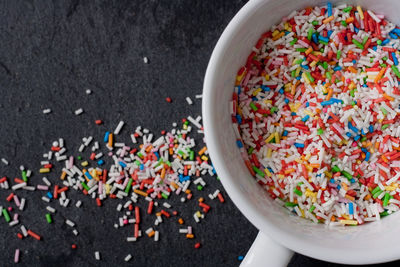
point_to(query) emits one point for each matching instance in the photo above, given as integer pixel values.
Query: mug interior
(368, 243)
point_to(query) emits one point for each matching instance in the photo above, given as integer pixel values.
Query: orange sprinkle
(189, 236)
(140, 192)
(388, 97)
(349, 197)
(352, 69)
(110, 140)
(349, 20)
(329, 95)
(276, 37)
(380, 74)
(327, 20)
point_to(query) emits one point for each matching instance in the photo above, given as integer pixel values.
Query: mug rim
(239, 197)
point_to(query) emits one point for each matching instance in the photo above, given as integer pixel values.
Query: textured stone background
(51, 52)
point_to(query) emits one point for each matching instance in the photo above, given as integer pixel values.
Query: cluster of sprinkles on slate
(142, 176)
(316, 114)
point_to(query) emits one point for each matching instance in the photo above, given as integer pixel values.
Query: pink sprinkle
(354, 144)
(325, 110)
(10, 208)
(125, 221)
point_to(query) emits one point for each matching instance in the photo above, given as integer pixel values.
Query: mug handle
(266, 252)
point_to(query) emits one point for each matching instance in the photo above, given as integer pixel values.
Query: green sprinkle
(322, 42)
(273, 109)
(384, 58)
(383, 65)
(347, 9)
(258, 171)
(366, 39)
(140, 155)
(253, 106)
(79, 157)
(137, 163)
(85, 186)
(311, 209)
(377, 193)
(48, 218)
(352, 93)
(383, 214)
(396, 71)
(364, 138)
(314, 22)
(310, 32)
(379, 42)
(386, 199)
(343, 22)
(6, 215)
(376, 189)
(385, 126)
(338, 54)
(293, 73)
(169, 163)
(357, 43)
(320, 131)
(328, 75)
(186, 123)
(129, 185)
(24, 177)
(191, 155)
(290, 204)
(335, 168)
(347, 175)
(325, 65)
(293, 41)
(299, 61)
(199, 187)
(384, 111)
(250, 150)
(310, 77)
(322, 49)
(301, 49)
(298, 192)
(180, 152)
(164, 195)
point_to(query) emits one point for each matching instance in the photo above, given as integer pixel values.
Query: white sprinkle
(189, 101)
(4, 161)
(46, 111)
(145, 60)
(97, 255)
(128, 257)
(78, 111)
(119, 127)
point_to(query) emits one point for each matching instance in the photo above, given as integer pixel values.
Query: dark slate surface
(51, 52)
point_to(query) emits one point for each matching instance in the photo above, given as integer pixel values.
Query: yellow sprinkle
(266, 77)
(360, 12)
(108, 188)
(302, 212)
(390, 188)
(267, 172)
(312, 64)
(255, 92)
(84, 163)
(198, 214)
(297, 71)
(307, 157)
(239, 78)
(307, 112)
(268, 102)
(44, 170)
(204, 158)
(298, 160)
(281, 176)
(304, 76)
(269, 139)
(352, 86)
(275, 33)
(277, 140)
(328, 174)
(140, 192)
(351, 222)
(269, 153)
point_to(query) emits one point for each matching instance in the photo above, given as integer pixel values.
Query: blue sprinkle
(239, 89)
(364, 85)
(357, 137)
(239, 143)
(157, 155)
(362, 132)
(100, 162)
(329, 33)
(351, 211)
(329, 9)
(298, 145)
(240, 258)
(385, 42)
(374, 48)
(348, 134)
(354, 61)
(285, 133)
(335, 100)
(141, 167)
(367, 155)
(356, 29)
(293, 113)
(87, 174)
(307, 104)
(315, 38)
(338, 187)
(395, 61)
(396, 30)
(363, 149)
(281, 91)
(352, 181)
(270, 170)
(327, 103)
(106, 135)
(371, 128)
(351, 127)
(305, 67)
(123, 165)
(265, 88)
(286, 33)
(286, 100)
(324, 39)
(332, 181)
(298, 78)
(337, 68)
(305, 118)
(392, 35)
(50, 195)
(239, 119)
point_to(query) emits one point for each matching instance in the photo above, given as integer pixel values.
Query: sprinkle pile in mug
(316, 114)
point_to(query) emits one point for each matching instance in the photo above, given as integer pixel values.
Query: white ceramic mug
(281, 233)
